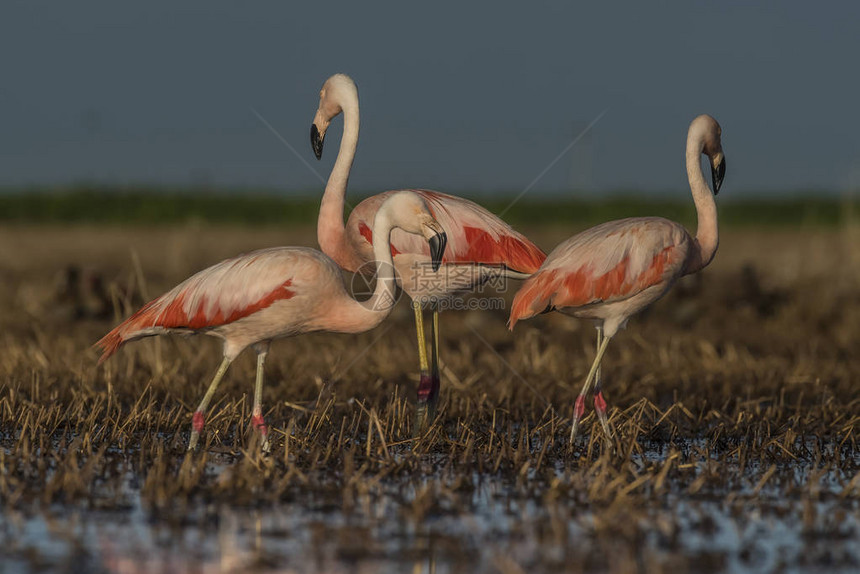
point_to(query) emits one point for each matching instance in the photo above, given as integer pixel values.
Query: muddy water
(493, 523)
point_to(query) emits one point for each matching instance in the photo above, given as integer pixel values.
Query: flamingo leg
(199, 418)
(579, 406)
(599, 401)
(435, 379)
(257, 420)
(426, 391)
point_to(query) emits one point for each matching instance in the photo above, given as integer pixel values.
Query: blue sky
(455, 96)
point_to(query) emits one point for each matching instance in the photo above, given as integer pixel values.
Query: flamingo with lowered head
(614, 270)
(481, 246)
(268, 294)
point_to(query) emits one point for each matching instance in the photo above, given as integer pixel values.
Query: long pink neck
(350, 316)
(707, 237)
(330, 229)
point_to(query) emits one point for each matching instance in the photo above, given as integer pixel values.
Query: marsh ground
(734, 404)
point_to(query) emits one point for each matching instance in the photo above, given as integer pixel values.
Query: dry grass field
(734, 404)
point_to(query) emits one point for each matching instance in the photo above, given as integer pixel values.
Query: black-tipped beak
(437, 249)
(717, 175)
(316, 141)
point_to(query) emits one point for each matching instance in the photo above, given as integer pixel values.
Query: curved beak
(437, 249)
(718, 172)
(317, 141)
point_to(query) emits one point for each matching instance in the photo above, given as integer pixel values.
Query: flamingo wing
(474, 234)
(607, 263)
(226, 292)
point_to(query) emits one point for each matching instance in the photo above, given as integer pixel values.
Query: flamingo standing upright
(614, 270)
(268, 294)
(481, 246)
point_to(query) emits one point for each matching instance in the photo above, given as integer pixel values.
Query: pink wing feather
(609, 262)
(474, 234)
(221, 294)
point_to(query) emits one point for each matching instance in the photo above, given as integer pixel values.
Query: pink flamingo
(614, 270)
(481, 246)
(268, 294)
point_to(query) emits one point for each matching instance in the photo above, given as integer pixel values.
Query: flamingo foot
(197, 422)
(600, 408)
(258, 423)
(428, 396)
(578, 411)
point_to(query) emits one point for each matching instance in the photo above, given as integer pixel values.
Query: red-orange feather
(474, 234)
(507, 250)
(174, 316)
(367, 233)
(568, 278)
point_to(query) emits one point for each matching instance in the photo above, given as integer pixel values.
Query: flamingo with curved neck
(252, 299)
(480, 246)
(614, 270)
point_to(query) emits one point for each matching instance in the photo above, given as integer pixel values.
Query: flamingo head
(338, 92)
(408, 211)
(710, 134)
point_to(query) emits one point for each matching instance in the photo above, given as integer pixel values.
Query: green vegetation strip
(243, 207)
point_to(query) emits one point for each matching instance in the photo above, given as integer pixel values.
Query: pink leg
(428, 390)
(435, 379)
(197, 421)
(600, 408)
(257, 415)
(428, 385)
(578, 411)
(260, 424)
(599, 402)
(199, 418)
(579, 406)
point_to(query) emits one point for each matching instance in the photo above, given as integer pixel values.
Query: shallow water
(485, 523)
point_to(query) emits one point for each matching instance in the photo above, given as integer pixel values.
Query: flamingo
(612, 271)
(278, 292)
(481, 246)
